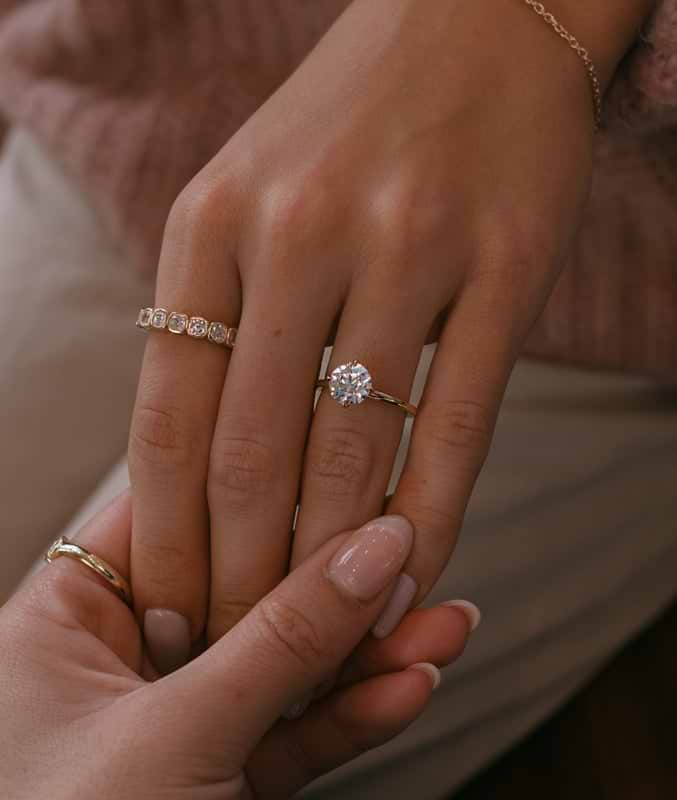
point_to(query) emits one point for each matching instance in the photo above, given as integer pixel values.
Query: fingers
(258, 443)
(435, 635)
(171, 434)
(291, 640)
(351, 450)
(70, 593)
(339, 729)
(453, 430)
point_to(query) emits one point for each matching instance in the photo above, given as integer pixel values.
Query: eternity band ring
(159, 319)
(64, 547)
(351, 384)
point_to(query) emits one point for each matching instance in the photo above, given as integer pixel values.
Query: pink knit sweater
(135, 96)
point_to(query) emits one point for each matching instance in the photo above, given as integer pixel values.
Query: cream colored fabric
(69, 354)
(570, 543)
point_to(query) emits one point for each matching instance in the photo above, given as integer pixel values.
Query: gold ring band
(64, 547)
(351, 384)
(159, 319)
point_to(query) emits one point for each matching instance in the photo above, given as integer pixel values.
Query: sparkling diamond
(177, 323)
(350, 384)
(217, 332)
(159, 319)
(198, 327)
(143, 320)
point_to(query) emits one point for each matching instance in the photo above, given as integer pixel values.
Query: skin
(420, 177)
(83, 716)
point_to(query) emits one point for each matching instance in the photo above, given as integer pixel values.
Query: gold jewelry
(63, 547)
(582, 53)
(351, 384)
(159, 319)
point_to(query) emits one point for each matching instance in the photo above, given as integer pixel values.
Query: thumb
(290, 641)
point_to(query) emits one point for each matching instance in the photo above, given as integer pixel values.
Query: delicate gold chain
(582, 53)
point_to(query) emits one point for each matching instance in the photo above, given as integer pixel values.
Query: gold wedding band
(351, 384)
(64, 547)
(159, 319)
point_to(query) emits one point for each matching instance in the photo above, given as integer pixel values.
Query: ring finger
(351, 450)
(258, 442)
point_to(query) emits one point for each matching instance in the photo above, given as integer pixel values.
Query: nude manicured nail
(372, 557)
(472, 613)
(398, 605)
(167, 636)
(431, 671)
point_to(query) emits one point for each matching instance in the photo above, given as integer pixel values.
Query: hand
(78, 720)
(419, 173)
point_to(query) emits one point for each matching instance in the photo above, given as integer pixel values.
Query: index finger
(171, 434)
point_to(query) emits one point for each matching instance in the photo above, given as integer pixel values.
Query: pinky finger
(339, 729)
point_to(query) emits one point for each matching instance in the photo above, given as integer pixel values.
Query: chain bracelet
(578, 48)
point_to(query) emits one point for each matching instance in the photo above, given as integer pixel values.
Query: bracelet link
(580, 51)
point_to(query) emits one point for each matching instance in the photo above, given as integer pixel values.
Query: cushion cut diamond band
(159, 319)
(351, 384)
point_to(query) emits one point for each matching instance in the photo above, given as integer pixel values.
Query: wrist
(607, 30)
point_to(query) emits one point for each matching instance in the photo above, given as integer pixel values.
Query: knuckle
(159, 438)
(296, 213)
(341, 463)
(242, 469)
(512, 263)
(202, 210)
(289, 632)
(412, 214)
(460, 430)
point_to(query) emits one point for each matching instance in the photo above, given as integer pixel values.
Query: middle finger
(259, 438)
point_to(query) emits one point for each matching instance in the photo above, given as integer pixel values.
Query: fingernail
(472, 613)
(372, 557)
(398, 605)
(167, 636)
(431, 671)
(299, 708)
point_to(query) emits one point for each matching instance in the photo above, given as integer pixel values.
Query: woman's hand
(78, 720)
(423, 171)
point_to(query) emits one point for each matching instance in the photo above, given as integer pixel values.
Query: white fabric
(570, 543)
(69, 354)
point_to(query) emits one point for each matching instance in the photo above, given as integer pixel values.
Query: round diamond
(217, 332)
(350, 384)
(177, 322)
(198, 327)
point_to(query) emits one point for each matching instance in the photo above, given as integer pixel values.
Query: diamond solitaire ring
(351, 384)
(159, 319)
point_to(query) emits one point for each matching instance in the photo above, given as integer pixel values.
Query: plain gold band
(374, 394)
(63, 547)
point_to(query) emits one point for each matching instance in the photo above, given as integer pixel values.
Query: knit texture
(135, 96)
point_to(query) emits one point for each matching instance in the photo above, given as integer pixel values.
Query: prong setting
(350, 384)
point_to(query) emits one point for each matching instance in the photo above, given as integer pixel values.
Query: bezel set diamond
(159, 319)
